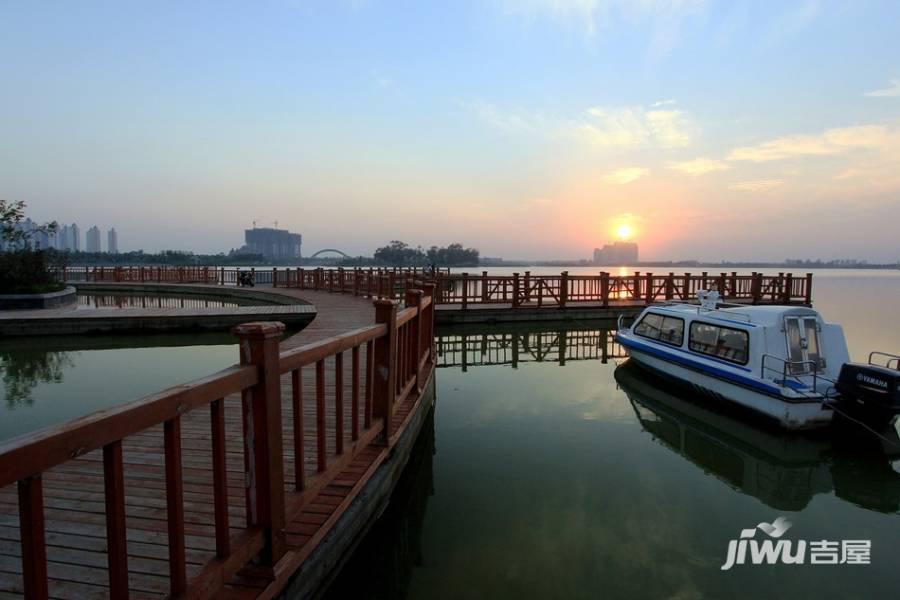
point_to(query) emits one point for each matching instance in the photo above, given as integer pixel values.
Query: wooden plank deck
(74, 501)
(71, 321)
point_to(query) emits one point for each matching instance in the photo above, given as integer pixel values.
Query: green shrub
(27, 272)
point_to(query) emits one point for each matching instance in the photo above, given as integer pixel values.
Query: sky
(528, 129)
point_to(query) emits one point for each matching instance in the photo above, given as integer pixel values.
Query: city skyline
(528, 130)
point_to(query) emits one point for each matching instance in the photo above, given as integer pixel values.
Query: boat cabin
(786, 344)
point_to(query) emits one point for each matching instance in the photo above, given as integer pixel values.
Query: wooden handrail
(310, 353)
(397, 350)
(33, 453)
(462, 288)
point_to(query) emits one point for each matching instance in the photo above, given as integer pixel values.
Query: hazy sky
(531, 128)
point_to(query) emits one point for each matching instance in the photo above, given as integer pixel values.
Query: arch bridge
(330, 250)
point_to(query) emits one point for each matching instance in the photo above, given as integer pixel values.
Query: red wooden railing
(519, 290)
(468, 289)
(389, 360)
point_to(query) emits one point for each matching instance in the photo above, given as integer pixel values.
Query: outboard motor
(872, 390)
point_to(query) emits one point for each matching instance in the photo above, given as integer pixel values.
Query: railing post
(484, 287)
(670, 286)
(515, 298)
(721, 285)
(563, 288)
(648, 298)
(274, 277)
(809, 289)
(465, 290)
(734, 289)
(31, 533)
(686, 291)
(756, 288)
(263, 441)
(788, 284)
(604, 288)
(427, 327)
(527, 286)
(414, 299)
(385, 365)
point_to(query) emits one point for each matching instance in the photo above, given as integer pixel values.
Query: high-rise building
(63, 238)
(74, 238)
(273, 243)
(112, 241)
(619, 254)
(92, 239)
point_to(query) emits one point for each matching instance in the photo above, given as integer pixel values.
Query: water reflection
(383, 564)
(555, 480)
(469, 346)
(141, 300)
(48, 379)
(784, 470)
(22, 370)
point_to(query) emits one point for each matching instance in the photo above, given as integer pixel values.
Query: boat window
(795, 341)
(812, 342)
(672, 331)
(649, 326)
(722, 342)
(803, 345)
(665, 329)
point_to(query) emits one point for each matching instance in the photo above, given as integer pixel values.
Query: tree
(11, 216)
(400, 254)
(24, 270)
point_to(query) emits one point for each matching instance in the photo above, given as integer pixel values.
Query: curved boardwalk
(75, 511)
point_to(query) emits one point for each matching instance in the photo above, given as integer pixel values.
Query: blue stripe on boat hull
(709, 370)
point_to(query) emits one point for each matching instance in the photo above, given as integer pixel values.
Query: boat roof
(769, 315)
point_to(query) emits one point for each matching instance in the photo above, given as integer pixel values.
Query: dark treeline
(166, 257)
(395, 254)
(401, 254)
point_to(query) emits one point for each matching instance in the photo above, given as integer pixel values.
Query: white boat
(785, 362)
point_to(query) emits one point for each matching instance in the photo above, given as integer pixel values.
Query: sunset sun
(624, 231)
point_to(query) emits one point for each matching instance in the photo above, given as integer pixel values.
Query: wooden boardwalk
(76, 493)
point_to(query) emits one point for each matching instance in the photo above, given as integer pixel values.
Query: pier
(244, 484)
(258, 480)
(486, 298)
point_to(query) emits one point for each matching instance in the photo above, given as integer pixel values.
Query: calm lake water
(561, 477)
(578, 480)
(126, 301)
(48, 380)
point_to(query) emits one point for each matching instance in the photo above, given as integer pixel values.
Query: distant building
(272, 243)
(92, 239)
(616, 254)
(74, 238)
(112, 241)
(62, 237)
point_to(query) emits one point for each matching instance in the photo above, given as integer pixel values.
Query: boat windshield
(803, 344)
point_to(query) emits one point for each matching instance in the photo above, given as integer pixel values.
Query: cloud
(891, 91)
(662, 19)
(794, 18)
(380, 80)
(632, 127)
(760, 185)
(521, 121)
(698, 166)
(666, 102)
(831, 141)
(616, 127)
(625, 175)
